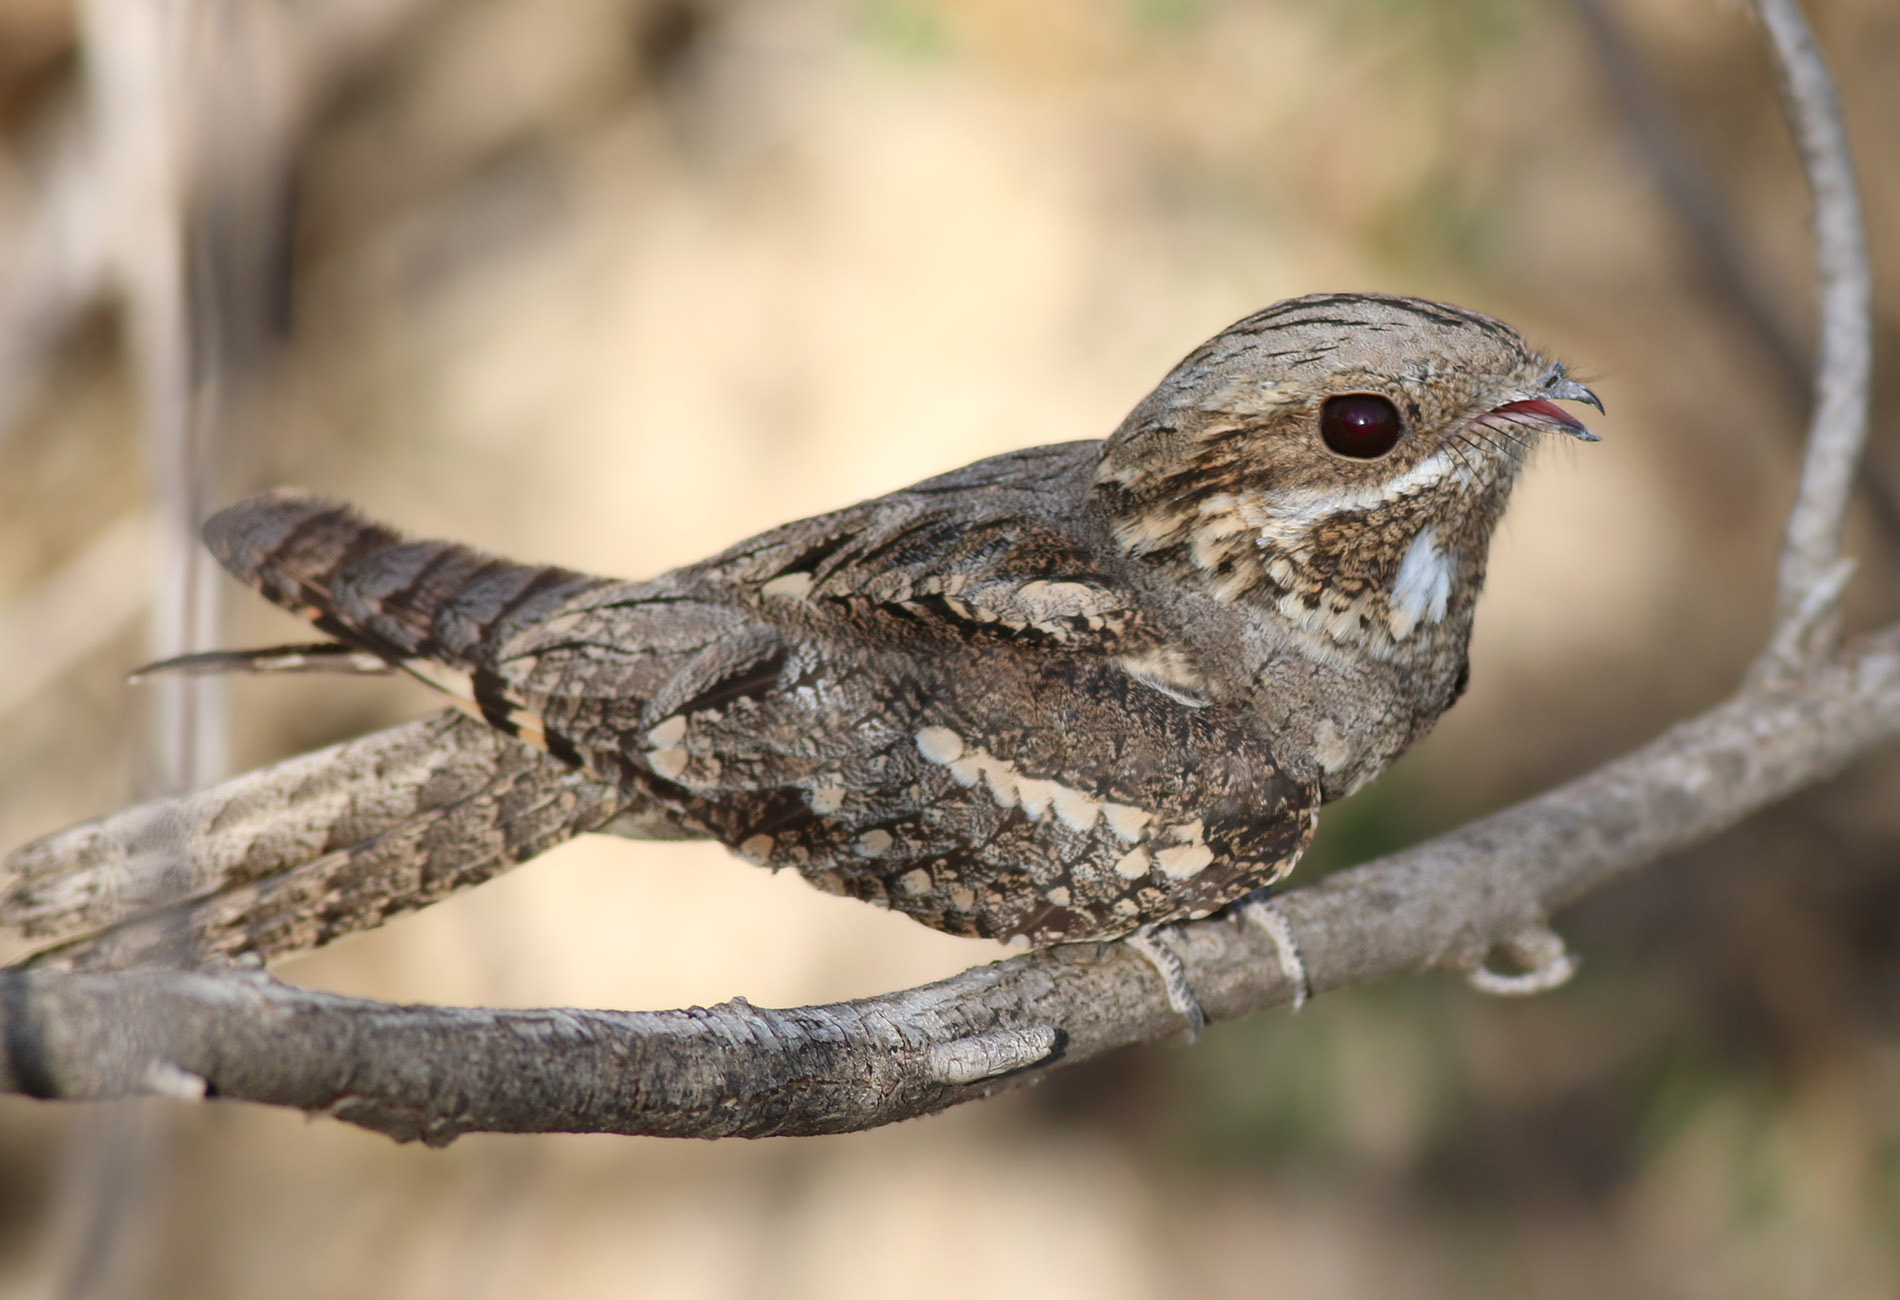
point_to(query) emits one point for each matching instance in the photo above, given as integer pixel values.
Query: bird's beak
(1569, 390)
(1544, 409)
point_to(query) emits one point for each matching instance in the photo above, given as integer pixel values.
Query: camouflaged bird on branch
(1061, 694)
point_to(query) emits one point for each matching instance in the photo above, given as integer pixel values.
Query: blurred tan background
(616, 282)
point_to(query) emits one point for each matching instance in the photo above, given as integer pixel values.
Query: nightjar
(1056, 695)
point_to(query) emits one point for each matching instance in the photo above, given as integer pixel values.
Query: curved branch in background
(1710, 238)
(1812, 570)
(435, 1072)
(1670, 159)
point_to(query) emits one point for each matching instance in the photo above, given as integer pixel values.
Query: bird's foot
(1167, 964)
(1263, 910)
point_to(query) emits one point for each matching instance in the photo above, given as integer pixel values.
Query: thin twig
(141, 92)
(1684, 185)
(145, 95)
(1806, 605)
(1709, 232)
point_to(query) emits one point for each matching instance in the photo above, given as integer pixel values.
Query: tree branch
(737, 1070)
(1812, 570)
(1710, 239)
(435, 1072)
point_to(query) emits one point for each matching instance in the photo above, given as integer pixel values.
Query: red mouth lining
(1543, 410)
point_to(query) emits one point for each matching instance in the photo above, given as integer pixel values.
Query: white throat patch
(1422, 589)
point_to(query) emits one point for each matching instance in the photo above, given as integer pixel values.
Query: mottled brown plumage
(1056, 695)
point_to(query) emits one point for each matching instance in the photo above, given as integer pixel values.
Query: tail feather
(439, 610)
(300, 853)
(369, 586)
(320, 657)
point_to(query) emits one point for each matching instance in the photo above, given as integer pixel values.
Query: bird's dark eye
(1360, 425)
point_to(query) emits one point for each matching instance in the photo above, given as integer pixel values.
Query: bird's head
(1341, 458)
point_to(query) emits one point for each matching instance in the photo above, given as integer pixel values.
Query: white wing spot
(915, 881)
(1059, 896)
(1076, 809)
(1133, 865)
(757, 849)
(791, 586)
(1188, 832)
(874, 843)
(940, 745)
(1035, 796)
(826, 799)
(1184, 860)
(1126, 820)
(668, 763)
(668, 733)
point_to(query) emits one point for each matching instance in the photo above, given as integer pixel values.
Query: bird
(1069, 694)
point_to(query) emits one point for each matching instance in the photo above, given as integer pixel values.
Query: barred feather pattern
(1056, 695)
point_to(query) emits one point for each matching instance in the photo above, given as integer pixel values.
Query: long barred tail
(295, 855)
(366, 584)
(292, 856)
(440, 610)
